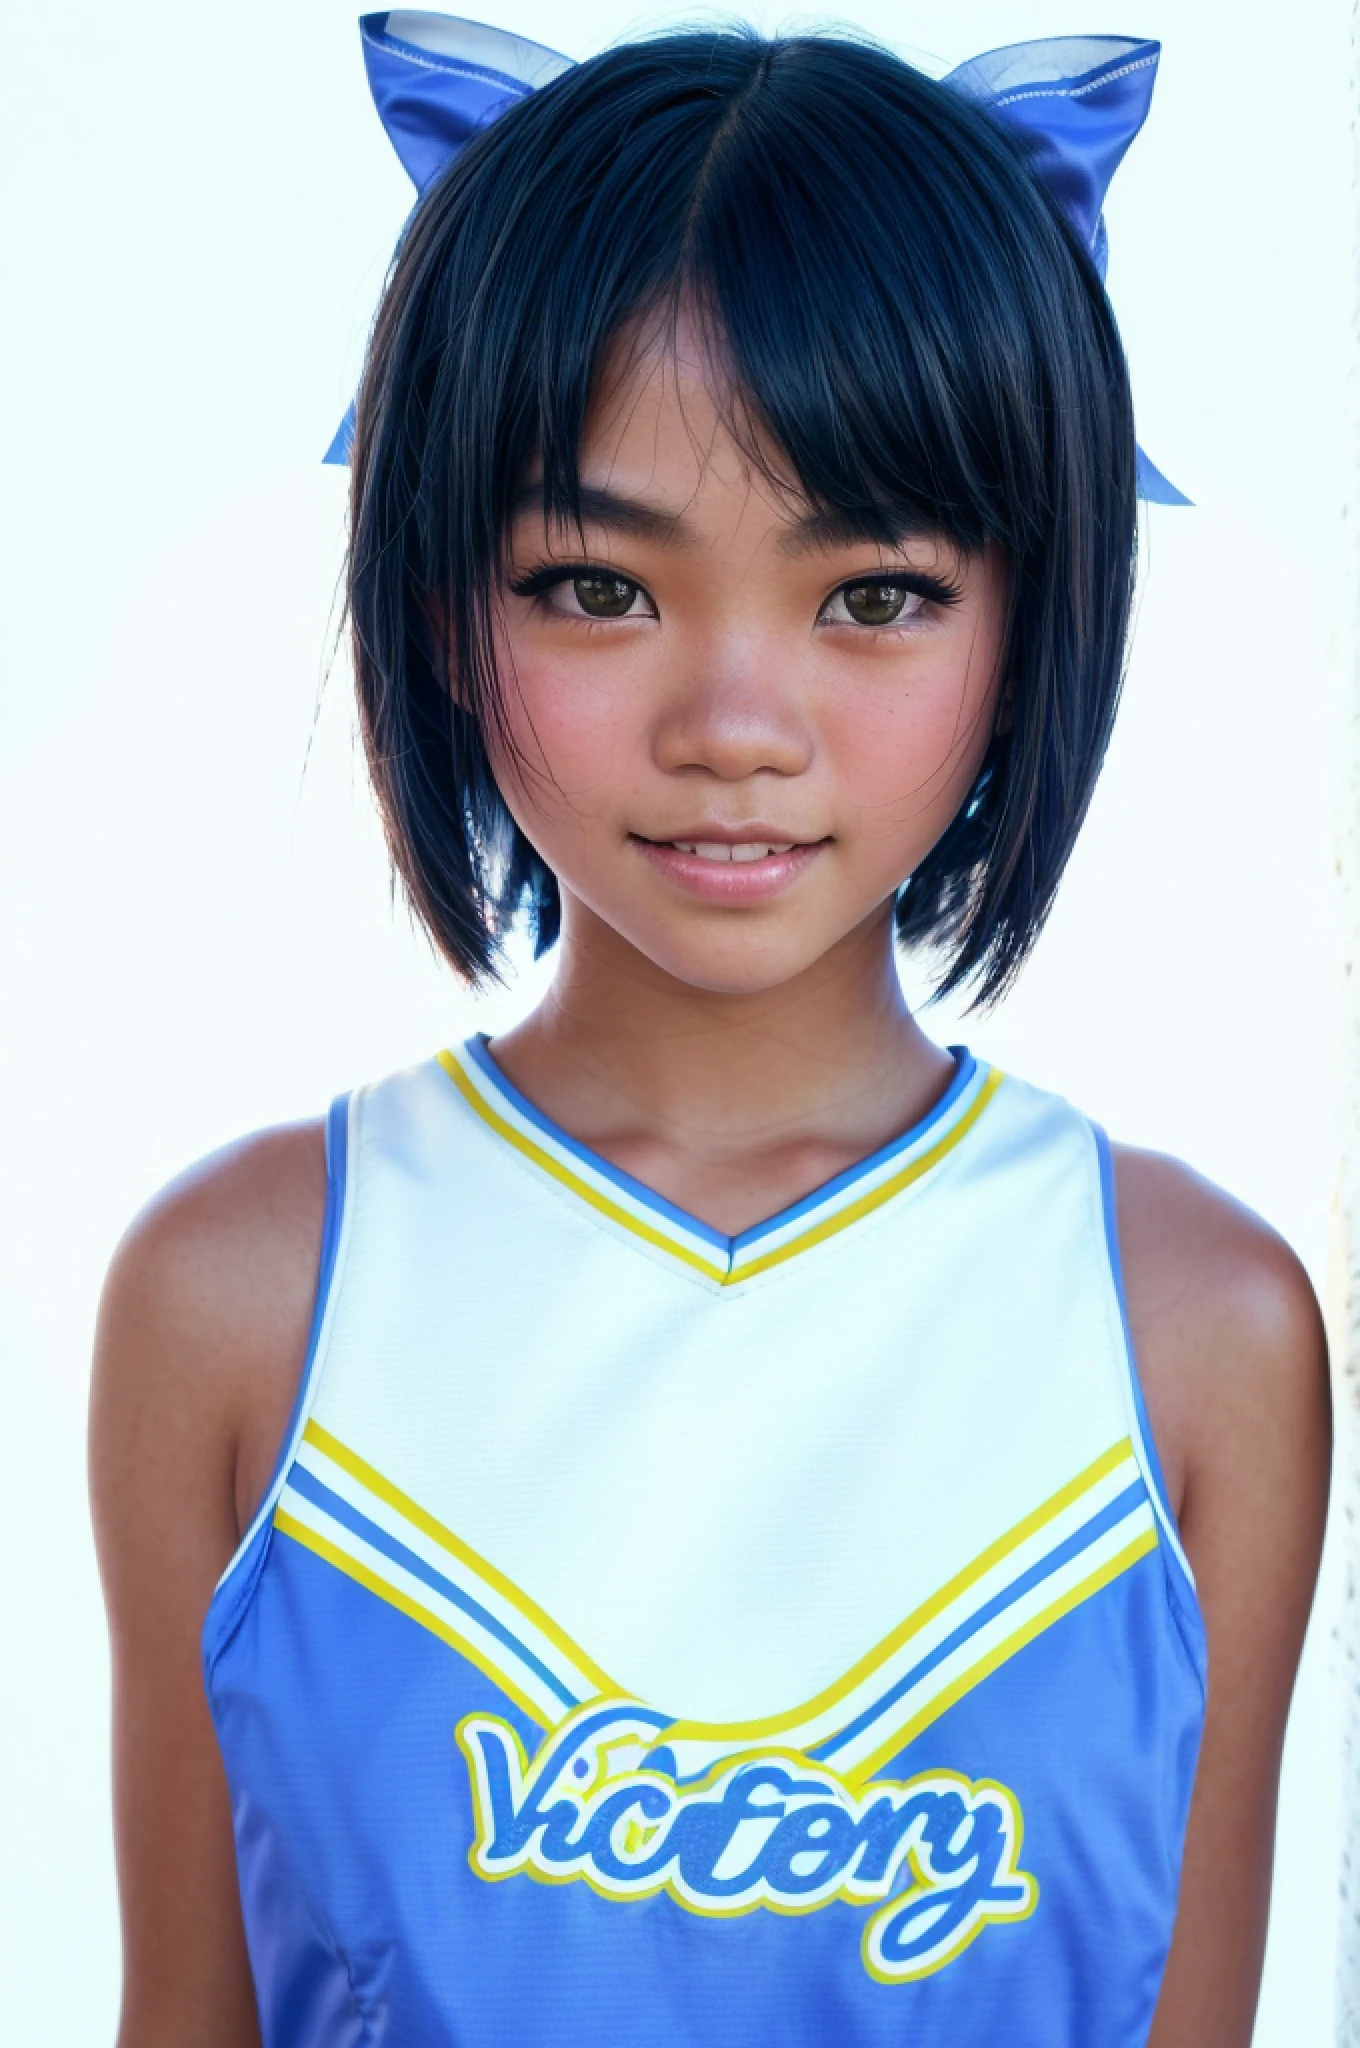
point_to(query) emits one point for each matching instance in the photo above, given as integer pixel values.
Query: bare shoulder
(204, 1317)
(201, 1339)
(1231, 1355)
(1226, 1329)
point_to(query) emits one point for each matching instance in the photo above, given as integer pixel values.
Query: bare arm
(202, 1332)
(1233, 1362)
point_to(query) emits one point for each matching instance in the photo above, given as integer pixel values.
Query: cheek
(906, 755)
(578, 737)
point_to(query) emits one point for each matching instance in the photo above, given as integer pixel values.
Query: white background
(196, 935)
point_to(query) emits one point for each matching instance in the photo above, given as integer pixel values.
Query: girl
(720, 1555)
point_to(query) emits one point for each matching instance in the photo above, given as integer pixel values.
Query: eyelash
(537, 582)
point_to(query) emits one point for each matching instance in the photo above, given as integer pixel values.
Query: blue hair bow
(1074, 103)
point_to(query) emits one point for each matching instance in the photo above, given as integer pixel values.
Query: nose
(732, 709)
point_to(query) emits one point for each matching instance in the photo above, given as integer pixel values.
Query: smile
(743, 850)
(734, 872)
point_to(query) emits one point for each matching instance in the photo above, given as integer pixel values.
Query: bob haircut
(893, 303)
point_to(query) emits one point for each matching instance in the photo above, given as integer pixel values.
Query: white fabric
(724, 1495)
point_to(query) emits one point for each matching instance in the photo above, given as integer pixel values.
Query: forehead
(673, 451)
(667, 417)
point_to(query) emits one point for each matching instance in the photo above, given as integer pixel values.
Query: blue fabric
(342, 1727)
(311, 1488)
(366, 1922)
(1075, 103)
(434, 86)
(234, 1591)
(430, 102)
(1108, 1517)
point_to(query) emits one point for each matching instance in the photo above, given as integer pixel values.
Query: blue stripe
(337, 1174)
(476, 1050)
(311, 1488)
(238, 1580)
(1080, 1540)
(1107, 1197)
(965, 1066)
(1180, 1580)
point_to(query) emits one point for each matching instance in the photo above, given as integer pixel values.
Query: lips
(740, 870)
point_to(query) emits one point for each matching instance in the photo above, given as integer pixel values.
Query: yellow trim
(1140, 1547)
(358, 1468)
(353, 1569)
(824, 1702)
(884, 1192)
(842, 1219)
(767, 1730)
(613, 1210)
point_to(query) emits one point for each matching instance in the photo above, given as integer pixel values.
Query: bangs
(872, 264)
(894, 315)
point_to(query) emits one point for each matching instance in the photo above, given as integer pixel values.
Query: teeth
(720, 850)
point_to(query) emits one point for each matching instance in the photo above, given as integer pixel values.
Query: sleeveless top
(653, 1637)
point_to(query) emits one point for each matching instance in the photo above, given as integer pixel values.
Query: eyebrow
(853, 526)
(633, 516)
(840, 526)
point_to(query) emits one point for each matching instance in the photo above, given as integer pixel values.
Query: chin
(732, 963)
(719, 952)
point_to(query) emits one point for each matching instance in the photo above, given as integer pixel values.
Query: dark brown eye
(604, 597)
(875, 604)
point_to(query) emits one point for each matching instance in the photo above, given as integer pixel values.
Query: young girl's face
(736, 725)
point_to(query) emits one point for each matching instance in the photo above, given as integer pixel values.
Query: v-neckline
(641, 1211)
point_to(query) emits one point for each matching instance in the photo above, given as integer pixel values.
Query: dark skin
(686, 1039)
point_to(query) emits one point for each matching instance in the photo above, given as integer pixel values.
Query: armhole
(1180, 1576)
(231, 1595)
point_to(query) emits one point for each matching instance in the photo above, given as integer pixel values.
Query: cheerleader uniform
(656, 1639)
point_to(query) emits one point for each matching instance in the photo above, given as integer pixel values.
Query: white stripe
(1145, 1467)
(694, 1755)
(465, 1576)
(493, 1653)
(1085, 1566)
(602, 1183)
(866, 1179)
(699, 1752)
(817, 1727)
(1004, 1573)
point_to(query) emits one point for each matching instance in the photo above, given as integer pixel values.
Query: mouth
(736, 870)
(739, 851)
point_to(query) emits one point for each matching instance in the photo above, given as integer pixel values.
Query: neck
(727, 1103)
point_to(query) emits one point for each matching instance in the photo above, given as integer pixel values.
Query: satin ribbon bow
(1074, 103)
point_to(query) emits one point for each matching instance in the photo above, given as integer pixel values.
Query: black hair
(901, 311)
